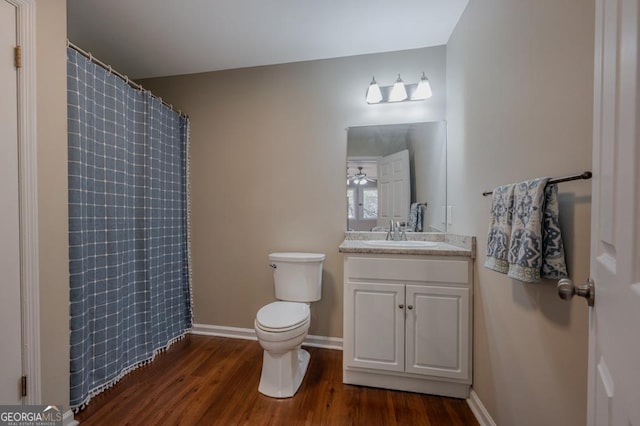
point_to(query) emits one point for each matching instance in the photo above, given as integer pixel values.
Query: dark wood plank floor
(214, 381)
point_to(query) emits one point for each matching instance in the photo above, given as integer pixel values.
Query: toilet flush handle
(273, 265)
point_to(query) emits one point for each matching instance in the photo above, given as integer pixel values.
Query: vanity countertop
(445, 244)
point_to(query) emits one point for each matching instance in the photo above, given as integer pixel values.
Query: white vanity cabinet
(407, 322)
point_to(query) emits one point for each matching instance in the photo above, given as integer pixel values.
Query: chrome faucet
(394, 233)
(391, 233)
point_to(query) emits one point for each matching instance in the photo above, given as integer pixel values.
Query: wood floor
(214, 381)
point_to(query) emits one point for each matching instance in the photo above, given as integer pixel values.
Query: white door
(10, 312)
(375, 326)
(437, 331)
(394, 188)
(614, 329)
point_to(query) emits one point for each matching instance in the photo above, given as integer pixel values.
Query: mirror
(397, 172)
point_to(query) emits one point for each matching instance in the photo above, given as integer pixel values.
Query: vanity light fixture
(399, 92)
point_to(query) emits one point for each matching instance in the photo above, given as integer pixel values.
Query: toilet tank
(297, 276)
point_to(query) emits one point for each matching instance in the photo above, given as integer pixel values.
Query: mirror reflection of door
(394, 189)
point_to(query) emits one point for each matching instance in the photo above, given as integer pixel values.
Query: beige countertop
(445, 244)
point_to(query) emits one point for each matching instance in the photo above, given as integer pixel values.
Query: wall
(431, 174)
(268, 170)
(51, 35)
(519, 85)
(376, 141)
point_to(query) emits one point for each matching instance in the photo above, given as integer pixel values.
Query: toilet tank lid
(297, 257)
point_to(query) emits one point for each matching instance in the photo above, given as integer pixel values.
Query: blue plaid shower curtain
(128, 227)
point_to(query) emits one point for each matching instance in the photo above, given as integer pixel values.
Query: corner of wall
(51, 35)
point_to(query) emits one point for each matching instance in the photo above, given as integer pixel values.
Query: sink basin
(400, 244)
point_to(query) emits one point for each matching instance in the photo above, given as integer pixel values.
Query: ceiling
(152, 38)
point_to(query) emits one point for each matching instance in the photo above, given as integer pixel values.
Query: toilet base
(282, 374)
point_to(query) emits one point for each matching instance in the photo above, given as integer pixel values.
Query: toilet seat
(279, 317)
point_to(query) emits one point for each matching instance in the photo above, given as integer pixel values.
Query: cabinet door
(438, 331)
(374, 326)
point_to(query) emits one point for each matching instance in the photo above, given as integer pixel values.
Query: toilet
(282, 326)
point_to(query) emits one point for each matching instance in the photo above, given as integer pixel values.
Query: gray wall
(520, 95)
(268, 170)
(430, 160)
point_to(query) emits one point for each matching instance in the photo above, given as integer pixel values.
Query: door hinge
(24, 386)
(17, 57)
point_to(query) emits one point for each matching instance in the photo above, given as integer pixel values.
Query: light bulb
(373, 92)
(423, 91)
(398, 92)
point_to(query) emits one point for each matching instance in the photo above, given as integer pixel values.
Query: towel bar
(583, 175)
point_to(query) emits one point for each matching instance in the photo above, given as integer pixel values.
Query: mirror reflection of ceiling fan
(361, 178)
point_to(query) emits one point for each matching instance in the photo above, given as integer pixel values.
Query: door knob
(566, 290)
(401, 306)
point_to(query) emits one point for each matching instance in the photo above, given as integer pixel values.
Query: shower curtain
(128, 227)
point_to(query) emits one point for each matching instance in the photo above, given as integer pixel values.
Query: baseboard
(68, 420)
(324, 342)
(479, 410)
(222, 331)
(314, 341)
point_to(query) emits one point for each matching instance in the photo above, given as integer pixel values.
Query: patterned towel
(553, 263)
(500, 229)
(415, 217)
(525, 250)
(524, 238)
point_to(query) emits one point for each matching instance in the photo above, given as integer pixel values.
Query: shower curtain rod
(583, 175)
(126, 79)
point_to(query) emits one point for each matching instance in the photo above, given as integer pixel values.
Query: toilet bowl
(284, 363)
(282, 326)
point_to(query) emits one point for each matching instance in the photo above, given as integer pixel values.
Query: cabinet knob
(410, 306)
(401, 306)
